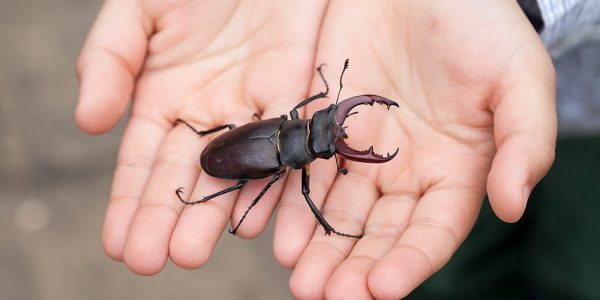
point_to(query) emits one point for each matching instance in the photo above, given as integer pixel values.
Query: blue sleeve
(568, 23)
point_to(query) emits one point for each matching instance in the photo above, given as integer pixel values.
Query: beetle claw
(368, 156)
(343, 112)
(344, 107)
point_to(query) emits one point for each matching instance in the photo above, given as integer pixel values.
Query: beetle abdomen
(245, 152)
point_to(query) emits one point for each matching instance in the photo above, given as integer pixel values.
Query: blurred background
(55, 181)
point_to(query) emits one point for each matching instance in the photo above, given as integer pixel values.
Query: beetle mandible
(267, 147)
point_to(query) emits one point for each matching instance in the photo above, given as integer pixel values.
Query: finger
(386, 223)
(525, 133)
(176, 165)
(440, 222)
(349, 281)
(200, 226)
(109, 63)
(136, 157)
(346, 209)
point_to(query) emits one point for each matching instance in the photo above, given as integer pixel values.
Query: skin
(477, 114)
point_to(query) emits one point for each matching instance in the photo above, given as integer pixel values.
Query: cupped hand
(476, 96)
(209, 63)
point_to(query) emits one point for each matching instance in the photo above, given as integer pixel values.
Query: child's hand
(477, 107)
(210, 63)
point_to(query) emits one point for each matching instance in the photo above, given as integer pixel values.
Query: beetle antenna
(342, 76)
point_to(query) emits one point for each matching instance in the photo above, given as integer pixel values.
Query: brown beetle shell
(245, 152)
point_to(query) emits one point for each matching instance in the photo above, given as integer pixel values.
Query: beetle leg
(238, 186)
(294, 112)
(315, 210)
(275, 177)
(340, 170)
(205, 132)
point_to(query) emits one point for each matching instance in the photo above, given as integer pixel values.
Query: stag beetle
(267, 147)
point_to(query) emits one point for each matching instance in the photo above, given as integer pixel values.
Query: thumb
(109, 63)
(524, 129)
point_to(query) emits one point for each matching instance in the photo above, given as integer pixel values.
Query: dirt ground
(55, 181)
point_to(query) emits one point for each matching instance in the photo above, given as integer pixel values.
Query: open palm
(210, 63)
(476, 95)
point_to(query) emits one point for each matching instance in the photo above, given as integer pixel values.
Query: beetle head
(324, 131)
(327, 135)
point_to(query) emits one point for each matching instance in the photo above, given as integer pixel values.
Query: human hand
(210, 63)
(476, 93)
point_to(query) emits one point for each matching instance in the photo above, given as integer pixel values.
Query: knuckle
(295, 205)
(344, 217)
(159, 206)
(437, 225)
(384, 230)
(177, 158)
(136, 162)
(425, 259)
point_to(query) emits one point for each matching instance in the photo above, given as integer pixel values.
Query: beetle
(268, 147)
